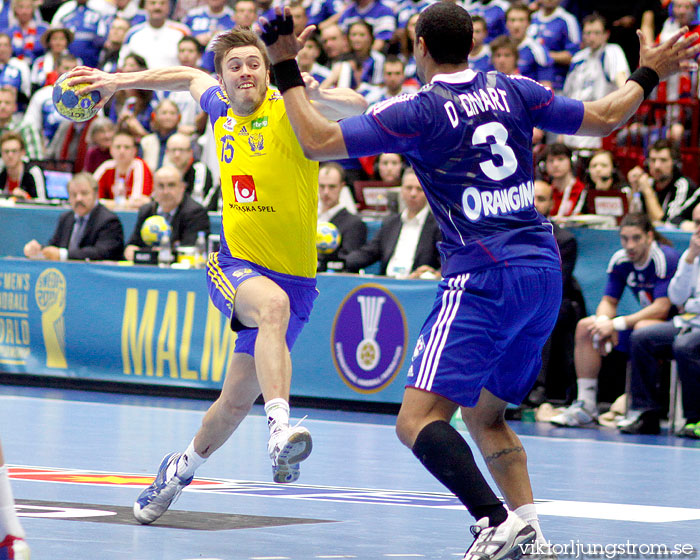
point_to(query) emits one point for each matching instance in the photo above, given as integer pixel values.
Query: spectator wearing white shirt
(406, 243)
(156, 39)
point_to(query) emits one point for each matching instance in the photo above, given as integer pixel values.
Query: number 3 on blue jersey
(499, 133)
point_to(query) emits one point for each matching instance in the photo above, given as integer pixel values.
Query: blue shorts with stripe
(486, 330)
(226, 273)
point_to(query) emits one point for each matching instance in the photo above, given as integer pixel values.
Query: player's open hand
(96, 80)
(279, 37)
(677, 53)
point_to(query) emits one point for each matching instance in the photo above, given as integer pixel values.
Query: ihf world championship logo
(369, 338)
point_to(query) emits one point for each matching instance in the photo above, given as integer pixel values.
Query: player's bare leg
(239, 391)
(504, 455)
(261, 303)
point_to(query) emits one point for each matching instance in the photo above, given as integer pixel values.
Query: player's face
(329, 187)
(12, 153)
(244, 13)
(389, 168)
(244, 78)
(684, 11)
(479, 34)
(636, 243)
(360, 39)
(123, 149)
(412, 194)
(594, 35)
(82, 197)
(168, 189)
(179, 153)
(600, 168)
(660, 164)
(504, 60)
(393, 75)
(558, 166)
(517, 23)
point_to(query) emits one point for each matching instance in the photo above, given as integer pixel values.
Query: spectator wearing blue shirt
(533, 59)
(308, 60)
(27, 31)
(380, 16)
(493, 12)
(504, 55)
(559, 31)
(85, 23)
(206, 21)
(645, 264)
(480, 57)
(364, 66)
(14, 72)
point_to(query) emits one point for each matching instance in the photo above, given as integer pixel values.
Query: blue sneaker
(155, 500)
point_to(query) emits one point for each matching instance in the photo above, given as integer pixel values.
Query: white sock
(189, 462)
(588, 392)
(277, 411)
(9, 524)
(528, 513)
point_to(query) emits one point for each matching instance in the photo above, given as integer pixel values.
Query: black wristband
(287, 75)
(645, 77)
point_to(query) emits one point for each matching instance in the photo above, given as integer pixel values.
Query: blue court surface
(79, 459)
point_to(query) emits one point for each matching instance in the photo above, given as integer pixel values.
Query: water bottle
(636, 204)
(165, 252)
(200, 249)
(119, 192)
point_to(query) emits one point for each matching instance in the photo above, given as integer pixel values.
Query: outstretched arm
(603, 116)
(320, 138)
(175, 78)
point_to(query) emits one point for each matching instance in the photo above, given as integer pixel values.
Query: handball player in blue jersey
(468, 136)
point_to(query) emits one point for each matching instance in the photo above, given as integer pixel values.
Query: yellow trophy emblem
(50, 293)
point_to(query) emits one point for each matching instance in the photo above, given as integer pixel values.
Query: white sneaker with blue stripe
(155, 500)
(287, 448)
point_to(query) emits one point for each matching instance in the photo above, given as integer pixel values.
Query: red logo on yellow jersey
(244, 188)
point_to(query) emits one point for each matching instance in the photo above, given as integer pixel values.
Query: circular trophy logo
(369, 338)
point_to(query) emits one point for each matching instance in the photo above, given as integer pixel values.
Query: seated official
(353, 231)
(17, 177)
(87, 231)
(199, 183)
(185, 216)
(406, 244)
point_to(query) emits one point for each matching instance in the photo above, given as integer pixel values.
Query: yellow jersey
(269, 188)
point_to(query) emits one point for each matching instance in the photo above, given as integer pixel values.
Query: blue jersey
(379, 16)
(482, 62)
(647, 282)
(534, 61)
(85, 23)
(468, 135)
(557, 32)
(200, 20)
(494, 13)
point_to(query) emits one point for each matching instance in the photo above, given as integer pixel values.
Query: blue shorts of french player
(487, 330)
(226, 273)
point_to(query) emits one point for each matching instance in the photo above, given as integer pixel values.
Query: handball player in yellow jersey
(263, 276)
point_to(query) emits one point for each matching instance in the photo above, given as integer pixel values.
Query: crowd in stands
(150, 150)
